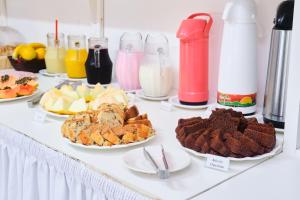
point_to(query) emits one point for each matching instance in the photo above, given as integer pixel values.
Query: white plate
(277, 149)
(65, 77)
(21, 97)
(44, 72)
(95, 147)
(176, 158)
(52, 114)
(175, 102)
(17, 74)
(141, 94)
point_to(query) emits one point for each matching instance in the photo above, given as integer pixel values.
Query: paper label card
(40, 116)
(218, 163)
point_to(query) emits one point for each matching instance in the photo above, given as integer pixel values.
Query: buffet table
(36, 163)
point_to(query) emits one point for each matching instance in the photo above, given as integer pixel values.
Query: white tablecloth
(31, 171)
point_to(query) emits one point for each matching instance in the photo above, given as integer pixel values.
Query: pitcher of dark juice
(98, 64)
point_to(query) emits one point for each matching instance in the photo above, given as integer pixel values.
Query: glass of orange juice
(76, 56)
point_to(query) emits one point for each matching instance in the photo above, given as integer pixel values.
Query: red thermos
(193, 73)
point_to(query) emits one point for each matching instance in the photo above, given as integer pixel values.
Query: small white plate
(44, 72)
(141, 94)
(277, 149)
(65, 77)
(175, 102)
(176, 158)
(95, 147)
(21, 97)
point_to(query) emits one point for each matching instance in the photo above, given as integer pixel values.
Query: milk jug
(156, 72)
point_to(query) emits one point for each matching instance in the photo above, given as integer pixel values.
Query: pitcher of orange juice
(76, 56)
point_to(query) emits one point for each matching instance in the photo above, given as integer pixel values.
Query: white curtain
(31, 171)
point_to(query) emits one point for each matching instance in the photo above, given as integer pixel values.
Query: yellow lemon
(16, 52)
(27, 52)
(246, 100)
(40, 52)
(37, 45)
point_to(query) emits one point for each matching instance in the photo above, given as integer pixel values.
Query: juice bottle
(128, 61)
(55, 53)
(98, 64)
(76, 56)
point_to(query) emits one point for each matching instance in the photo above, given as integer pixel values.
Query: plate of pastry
(175, 102)
(109, 127)
(15, 87)
(228, 133)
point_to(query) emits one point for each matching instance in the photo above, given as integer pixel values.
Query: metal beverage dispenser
(275, 93)
(193, 74)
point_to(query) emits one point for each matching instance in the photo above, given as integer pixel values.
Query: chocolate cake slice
(216, 143)
(264, 139)
(234, 143)
(187, 122)
(202, 141)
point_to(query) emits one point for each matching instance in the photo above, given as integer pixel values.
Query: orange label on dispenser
(235, 100)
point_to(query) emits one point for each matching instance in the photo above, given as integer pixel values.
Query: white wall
(34, 18)
(292, 127)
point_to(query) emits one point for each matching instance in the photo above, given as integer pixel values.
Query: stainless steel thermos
(275, 91)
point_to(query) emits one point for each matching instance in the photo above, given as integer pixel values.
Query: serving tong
(34, 101)
(162, 173)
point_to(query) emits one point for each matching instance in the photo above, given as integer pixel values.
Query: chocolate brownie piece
(224, 122)
(189, 122)
(186, 121)
(190, 141)
(264, 139)
(253, 146)
(243, 124)
(194, 127)
(202, 141)
(234, 144)
(205, 148)
(265, 128)
(216, 143)
(252, 120)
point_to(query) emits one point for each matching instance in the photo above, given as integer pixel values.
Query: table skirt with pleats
(32, 171)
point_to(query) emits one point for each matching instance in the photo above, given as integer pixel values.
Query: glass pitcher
(128, 60)
(98, 64)
(55, 53)
(76, 56)
(155, 71)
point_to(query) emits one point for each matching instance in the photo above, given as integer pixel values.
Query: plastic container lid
(194, 28)
(240, 11)
(284, 16)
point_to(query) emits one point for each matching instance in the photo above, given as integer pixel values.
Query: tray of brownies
(228, 133)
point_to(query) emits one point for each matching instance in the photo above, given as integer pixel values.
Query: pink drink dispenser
(193, 73)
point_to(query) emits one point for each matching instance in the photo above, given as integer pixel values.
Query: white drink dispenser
(237, 84)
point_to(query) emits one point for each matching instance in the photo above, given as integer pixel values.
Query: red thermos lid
(195, 28)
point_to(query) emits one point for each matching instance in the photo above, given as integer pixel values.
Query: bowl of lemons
(28, 57)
